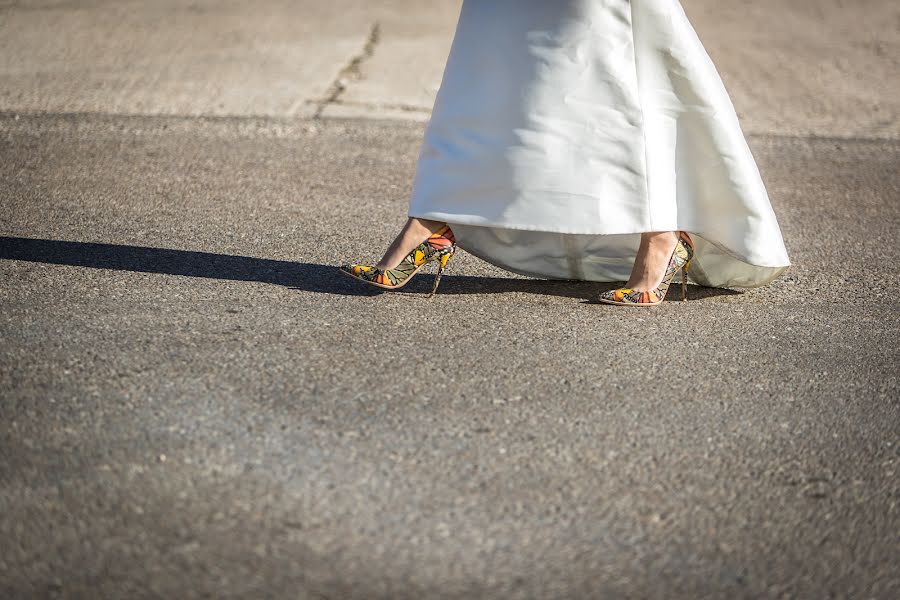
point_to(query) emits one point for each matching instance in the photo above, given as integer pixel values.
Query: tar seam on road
(350, 71)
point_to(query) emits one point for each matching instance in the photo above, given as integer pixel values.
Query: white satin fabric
(565, 128)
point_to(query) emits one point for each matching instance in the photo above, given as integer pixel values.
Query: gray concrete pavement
(194, 403)
(272, 57)
(806, 67)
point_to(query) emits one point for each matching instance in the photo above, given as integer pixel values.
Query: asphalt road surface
(195, 403)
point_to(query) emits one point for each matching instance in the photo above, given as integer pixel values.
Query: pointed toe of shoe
(355, 270)
(364, 273)
(613, 296)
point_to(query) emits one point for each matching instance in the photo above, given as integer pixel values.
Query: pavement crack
(350, 72)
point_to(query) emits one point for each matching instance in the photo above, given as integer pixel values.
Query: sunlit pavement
(195, 403)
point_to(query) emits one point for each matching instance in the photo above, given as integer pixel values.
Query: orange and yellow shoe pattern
(438, 246)
(680, 260)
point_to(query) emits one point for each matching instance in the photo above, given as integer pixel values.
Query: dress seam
(640, 102)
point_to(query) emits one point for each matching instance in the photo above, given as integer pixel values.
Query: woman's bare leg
(652, 259)
(414, 232)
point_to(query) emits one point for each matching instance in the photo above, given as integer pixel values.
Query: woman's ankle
(413, 233)
(652, 259)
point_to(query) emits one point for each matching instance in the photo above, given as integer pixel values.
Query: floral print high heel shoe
(439, 246)
(680, 259)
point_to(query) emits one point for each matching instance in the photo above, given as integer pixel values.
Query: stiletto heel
(445, 259)
(439, 246)
(688, 244)
(680, 259)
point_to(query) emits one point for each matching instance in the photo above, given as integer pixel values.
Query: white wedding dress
(564, 128)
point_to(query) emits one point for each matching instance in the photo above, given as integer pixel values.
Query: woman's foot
(652, 259)
(660, 256)
(417, 245)
(413, 233)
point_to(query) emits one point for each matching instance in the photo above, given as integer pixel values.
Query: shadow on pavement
(310, 277)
